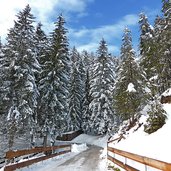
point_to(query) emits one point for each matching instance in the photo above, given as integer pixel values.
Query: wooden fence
(140, 159)
(49, 151)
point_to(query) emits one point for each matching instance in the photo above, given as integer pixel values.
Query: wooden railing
(140, 159)
(49, 151)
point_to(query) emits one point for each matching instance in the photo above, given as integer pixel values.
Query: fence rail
(14, 154)
(140, 159)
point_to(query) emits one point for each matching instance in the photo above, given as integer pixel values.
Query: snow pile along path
(78, 148)
(81, 158)
(100, 141)
(155, 145)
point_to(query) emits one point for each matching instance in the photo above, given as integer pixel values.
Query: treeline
(47, 88)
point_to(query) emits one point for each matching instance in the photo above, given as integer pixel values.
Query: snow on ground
(155, 145)
(52, 163)
(88, 160)
(2, 169)
(100, 141)
(81, 157)
(78, 148)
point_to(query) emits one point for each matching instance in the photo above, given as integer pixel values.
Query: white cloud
(114, 30)
(92, 47)
(89, 47)
(41, 9)
(88, 38)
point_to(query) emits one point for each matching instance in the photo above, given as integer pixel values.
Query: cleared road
(88, 160)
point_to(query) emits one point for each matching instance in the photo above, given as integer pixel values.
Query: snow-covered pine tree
(151, 62)
(164, 76)
(147, 46)
(146, 33)
(55, 80)
(76, 91)
(82, 72)
(101, 89)
(86, 114)
(87, 59)
(60, 54)
(3, 91)
(157, 116)
(157, 68)
(4, 97)
(2, 62)
(129, 88)
(41, 43)
(41, 50)
(22, 67)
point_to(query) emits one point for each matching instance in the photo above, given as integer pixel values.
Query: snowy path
(91, 159)
(88, 160)
(81, 158)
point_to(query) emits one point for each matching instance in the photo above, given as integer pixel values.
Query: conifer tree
(86, 114)
(146, 33)
(41, 50)
(165, 48)
(41, 44)
(22, 66)
(101, 88)
(4, 95)
(157, 117)
(76, 92)
(1, 81)
(147, 46)
(129, 87)
(55, 80)
(87, 60)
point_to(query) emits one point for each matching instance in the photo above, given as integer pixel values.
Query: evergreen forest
(48, 88)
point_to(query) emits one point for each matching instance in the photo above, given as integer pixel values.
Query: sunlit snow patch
(78, 148)
(131, 88)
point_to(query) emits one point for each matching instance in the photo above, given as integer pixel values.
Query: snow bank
(2, 169)
(155, 145)
(78, 148)
(103, 154)
(100, 141)
(167, 108)
(103, 160)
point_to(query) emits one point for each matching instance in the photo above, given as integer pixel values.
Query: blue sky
(87, 20)
(108, 18)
